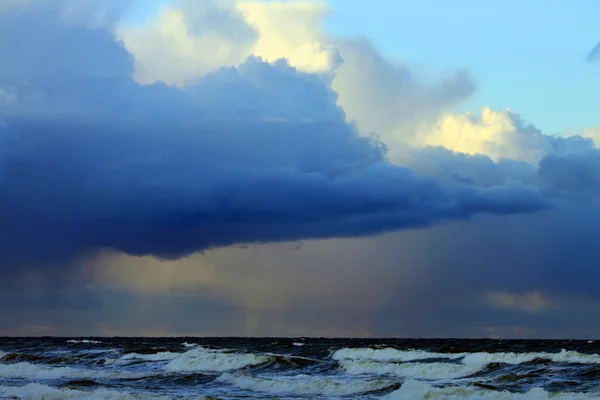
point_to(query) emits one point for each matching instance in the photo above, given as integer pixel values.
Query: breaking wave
(392, 362)
(432, 370)
(161, 356)
(393, 355)
(208, 360)
(519, 358)
(84, 341)
(390, 354)
(412, 390)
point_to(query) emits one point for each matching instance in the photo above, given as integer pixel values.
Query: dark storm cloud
(572, 175)
(258, 153)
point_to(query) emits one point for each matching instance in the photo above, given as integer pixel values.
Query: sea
(297, 368)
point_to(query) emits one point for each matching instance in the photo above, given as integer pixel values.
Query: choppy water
(270, 368)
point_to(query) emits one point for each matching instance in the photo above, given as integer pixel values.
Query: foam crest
(390, 354)
(564, 356)
(394, 355)
(432, 370)
(415, 390)
(37, 371)
(161, 356)
(35, 391)
(84, 341)
(208, 360)
(303, 385)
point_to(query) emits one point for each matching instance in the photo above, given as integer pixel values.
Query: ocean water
(301, 368)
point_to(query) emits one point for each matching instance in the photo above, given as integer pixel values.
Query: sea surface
(300, 368)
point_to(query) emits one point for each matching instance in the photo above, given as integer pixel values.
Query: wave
(390, 354)
(430, 370)
(394, 355)
(37, 371)
(208, 360)
(412, 390)
(304, 385)
(21, 357)
(399, 363)
(161, 356)
(84, 341)
(35, 391)
(564, 356)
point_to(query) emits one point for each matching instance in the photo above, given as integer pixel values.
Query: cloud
(293, 31)
(499, 135)
(475, 169)
(531, 302)
(594, 134)
(56, 50)
(390, 99)
(254, 153)
(181, 45)
(576, 175)
(187, 42)
(594, 54)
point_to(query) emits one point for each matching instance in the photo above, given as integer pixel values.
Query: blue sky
(525, 55)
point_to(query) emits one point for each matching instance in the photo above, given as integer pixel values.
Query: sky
(299, 168)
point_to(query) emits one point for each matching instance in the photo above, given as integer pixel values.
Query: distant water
(244, 368)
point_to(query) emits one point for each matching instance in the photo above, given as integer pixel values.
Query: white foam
(390, 354)
(188, 345)
(564, 356)
(34, 391)
(298, 344)
(162, 356)
(84, 341)
(303, 384)
(430, 370)
(37, 371)
(394, 355)
(203, 359)
(415, 390)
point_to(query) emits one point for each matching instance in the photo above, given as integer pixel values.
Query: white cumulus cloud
(499, 134)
